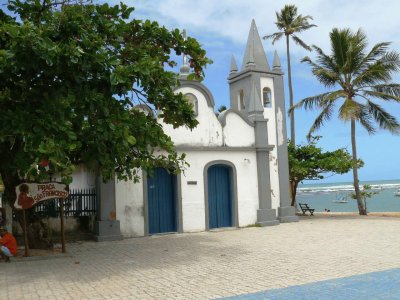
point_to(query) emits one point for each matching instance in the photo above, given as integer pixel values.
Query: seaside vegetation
(357, 76)
(366, 193)
(310, 162)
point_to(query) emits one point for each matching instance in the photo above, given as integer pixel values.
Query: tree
(289, 24)
(366, 193)
(309, 162)
(221, 109)
(70, 77)
(358, 76)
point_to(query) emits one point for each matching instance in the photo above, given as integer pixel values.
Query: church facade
(238, 164)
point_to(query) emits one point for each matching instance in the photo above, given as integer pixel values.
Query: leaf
(131, 140)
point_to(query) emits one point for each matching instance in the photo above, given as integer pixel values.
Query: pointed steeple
(255, 107)
(234, 67)
(277, 63)
(254, 54)
(185, 69)
(250, 61)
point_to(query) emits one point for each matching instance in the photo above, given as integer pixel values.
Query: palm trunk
(361, 206)
(293, 189)
(292, 130)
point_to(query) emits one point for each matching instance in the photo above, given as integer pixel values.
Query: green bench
(304, 208)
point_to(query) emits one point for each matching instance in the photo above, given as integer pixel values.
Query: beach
(336, 196)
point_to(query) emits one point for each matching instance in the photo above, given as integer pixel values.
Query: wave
(345, 187)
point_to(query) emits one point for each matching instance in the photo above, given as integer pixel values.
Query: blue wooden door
(219, 196)
(161, 202)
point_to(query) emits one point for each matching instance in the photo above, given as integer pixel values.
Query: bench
(304, 208)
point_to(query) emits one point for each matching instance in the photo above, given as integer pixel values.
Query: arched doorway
(162, 202)
(220, 191)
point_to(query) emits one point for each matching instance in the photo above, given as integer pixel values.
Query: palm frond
(287, 15)
(389, 89)
(300, 42)
(374, 54)
(275, 36)
(360, 73)
(317, 101)
(379, 71)
(383, 118)
(380, 95)
(332, 96)
(372, 75)
(325, 60)
(325, 115)
(341, 41)
(290, 22)
(327, 77)
(300, 23)
(390, 61)
(354, 54)
(366, 119)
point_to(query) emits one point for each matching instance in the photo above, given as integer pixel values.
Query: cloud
(210, 20)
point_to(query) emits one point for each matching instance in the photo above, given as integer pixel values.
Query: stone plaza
(214, 264)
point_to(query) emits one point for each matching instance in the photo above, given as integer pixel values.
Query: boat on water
(397, 193)
(341, 199)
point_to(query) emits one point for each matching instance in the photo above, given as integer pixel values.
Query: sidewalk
(211, 265)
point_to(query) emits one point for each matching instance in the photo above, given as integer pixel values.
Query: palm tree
(358, 76)
(289, 23)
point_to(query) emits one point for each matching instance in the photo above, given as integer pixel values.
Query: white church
(238, 163)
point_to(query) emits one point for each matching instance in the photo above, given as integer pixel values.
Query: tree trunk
(361, 206)
(292, 130)
(293, 188)
(10, 181)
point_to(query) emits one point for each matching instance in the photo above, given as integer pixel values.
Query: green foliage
(70, 76)
(310, 162)
(289, 23)
(222, 108)
(366, 193)
(358, 76)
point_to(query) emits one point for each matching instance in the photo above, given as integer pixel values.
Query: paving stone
(219, 264)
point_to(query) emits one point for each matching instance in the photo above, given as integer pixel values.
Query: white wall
(130, 207)
(237, 132)
(193, 196)
(269, 113)
(81, 178)
(207, 133)
(130, 195)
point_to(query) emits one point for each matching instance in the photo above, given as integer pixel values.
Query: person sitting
(8, 244)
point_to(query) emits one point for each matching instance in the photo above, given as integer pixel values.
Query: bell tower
(258, 92)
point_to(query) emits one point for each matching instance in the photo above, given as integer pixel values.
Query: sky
(222, 27)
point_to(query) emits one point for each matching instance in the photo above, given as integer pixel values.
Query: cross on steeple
(185, 69)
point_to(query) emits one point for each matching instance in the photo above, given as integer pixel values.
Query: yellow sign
(30, 194)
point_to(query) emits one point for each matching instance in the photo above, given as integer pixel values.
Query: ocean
(335, 196)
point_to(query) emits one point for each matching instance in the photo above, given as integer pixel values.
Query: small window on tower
(241, 105)
(193, 101)
(267, 97)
